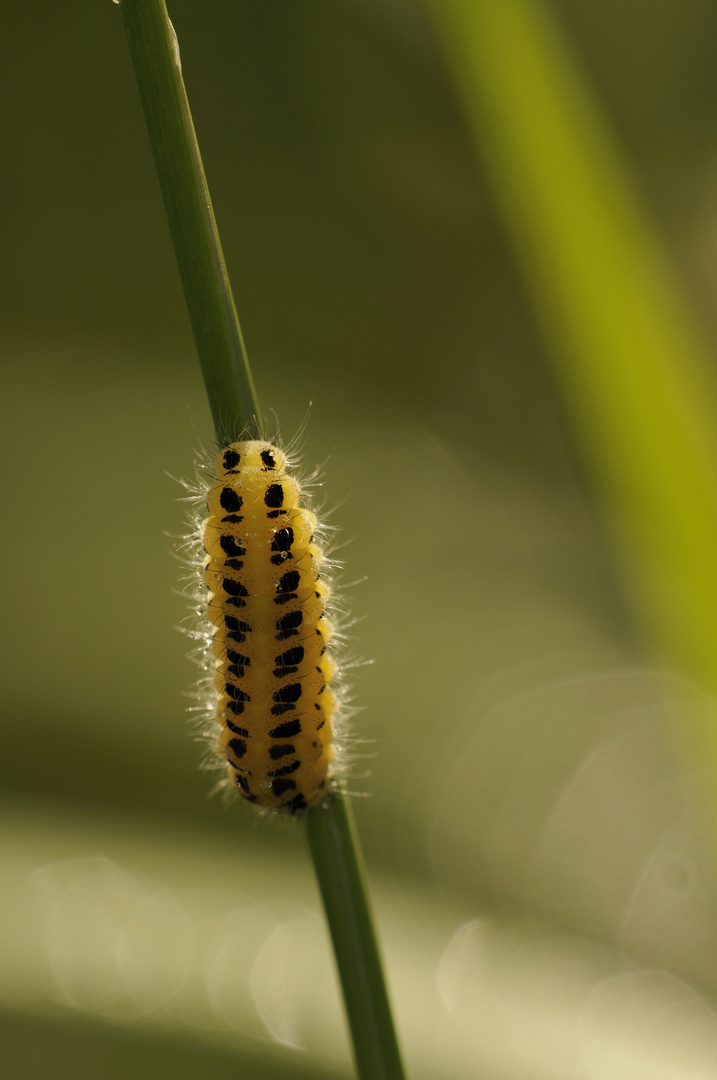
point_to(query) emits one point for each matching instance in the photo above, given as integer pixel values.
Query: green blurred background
(533, 831)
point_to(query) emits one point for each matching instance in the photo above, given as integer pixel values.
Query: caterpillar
(268, 632)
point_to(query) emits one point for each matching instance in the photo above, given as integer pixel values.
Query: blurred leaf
(630, 364)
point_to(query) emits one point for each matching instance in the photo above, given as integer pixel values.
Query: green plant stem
(333, 839)
(155, 56)
(340, 871)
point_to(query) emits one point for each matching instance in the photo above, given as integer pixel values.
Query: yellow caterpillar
(268, 630)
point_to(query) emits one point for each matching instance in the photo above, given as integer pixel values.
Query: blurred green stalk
(333, 840)
(631, 368)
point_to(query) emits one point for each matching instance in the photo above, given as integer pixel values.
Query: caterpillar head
(250, 454)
